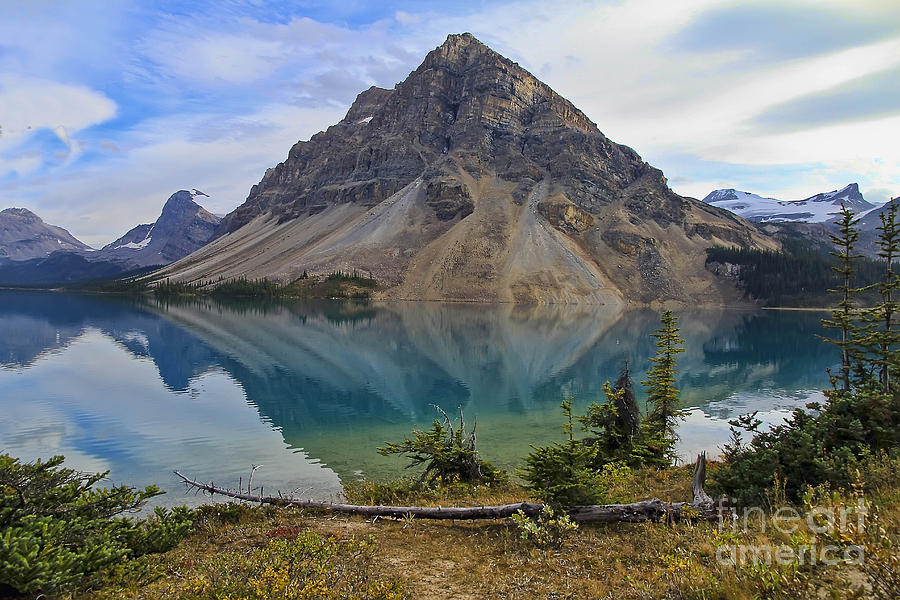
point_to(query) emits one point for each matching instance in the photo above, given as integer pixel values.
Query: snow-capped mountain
(24, 236)
(821, 208)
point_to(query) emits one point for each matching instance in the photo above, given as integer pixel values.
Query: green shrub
(161, 531)
(448, 454)
(562, 473)
(825, 443)
(56, 529)
(546, 531)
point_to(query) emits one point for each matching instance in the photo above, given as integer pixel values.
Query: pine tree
(664, 410)
(845, 316)
(562, 474)
(57, 526)
(885, 337)
(615, 424)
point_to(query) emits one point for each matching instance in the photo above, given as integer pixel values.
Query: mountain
(183, 226)
(24, 236)
(871, 221)
(821, 208)
(471, 180)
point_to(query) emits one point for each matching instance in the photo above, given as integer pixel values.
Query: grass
(240, 551)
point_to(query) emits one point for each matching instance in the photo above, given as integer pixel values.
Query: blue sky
(108, 107)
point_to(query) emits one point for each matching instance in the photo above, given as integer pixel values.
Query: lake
(141, 387)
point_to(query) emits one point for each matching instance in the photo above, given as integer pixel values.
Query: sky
(107, 107)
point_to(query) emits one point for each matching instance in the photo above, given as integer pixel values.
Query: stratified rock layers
(472, 180)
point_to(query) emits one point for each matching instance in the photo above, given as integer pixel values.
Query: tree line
(797, 275)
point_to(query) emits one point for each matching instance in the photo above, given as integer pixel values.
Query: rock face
(472, 180)
(183, 227)
(24, 236)
(872, 220)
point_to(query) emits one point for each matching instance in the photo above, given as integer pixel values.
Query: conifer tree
(885, 336)
(664, 408)
(615, 424)
(844, 317)
(562, 473)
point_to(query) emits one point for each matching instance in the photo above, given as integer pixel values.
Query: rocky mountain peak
(22, 213)
(179, 200)
(366, 104)
(472, 179)
(182, 227)
(24, 236)
(460, 50)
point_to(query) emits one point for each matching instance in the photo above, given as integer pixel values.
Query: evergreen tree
(449, 454)
(844, 317)
(884, 317)
(615, 424)
(664, 410)
(57, 527)
(562, 474)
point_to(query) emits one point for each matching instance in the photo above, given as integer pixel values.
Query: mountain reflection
(336, 379)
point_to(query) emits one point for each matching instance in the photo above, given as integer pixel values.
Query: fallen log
(703, 507)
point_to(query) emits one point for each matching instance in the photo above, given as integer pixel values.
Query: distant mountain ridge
(182, 227)
(819, 208)
(24, 236)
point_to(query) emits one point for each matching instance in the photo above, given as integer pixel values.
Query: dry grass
(486, 559)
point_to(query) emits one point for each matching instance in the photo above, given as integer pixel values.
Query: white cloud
(31, 103)
(222, 98)
(22, 164)
(98, 204)
(216, 59)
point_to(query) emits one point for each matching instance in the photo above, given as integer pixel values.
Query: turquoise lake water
(310, 390)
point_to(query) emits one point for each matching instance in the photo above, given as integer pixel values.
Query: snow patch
(138, 337)
(136, 246)
(366, 120)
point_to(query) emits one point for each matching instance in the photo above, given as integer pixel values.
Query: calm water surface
(309, 390)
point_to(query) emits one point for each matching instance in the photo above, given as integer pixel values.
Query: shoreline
(627, 306)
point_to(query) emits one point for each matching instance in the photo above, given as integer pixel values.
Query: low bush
(56, 529)
(546, 531)
(448, 454)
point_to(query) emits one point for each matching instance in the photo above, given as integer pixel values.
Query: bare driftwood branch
(703, 507)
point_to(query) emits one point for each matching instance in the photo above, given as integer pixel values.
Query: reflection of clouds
(103, 409)
(766, 400)
(23, 339)
(707, 429)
